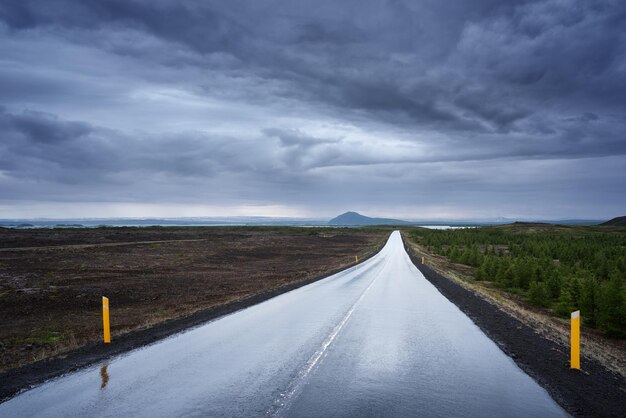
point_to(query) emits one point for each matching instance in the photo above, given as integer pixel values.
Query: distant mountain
(356, 219)
(619, 221)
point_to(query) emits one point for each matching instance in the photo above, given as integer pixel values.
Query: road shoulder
(594, 391)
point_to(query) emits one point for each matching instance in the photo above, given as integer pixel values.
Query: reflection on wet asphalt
(380, 341)
(104, 374)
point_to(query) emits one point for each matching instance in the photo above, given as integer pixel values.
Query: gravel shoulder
(595, 391)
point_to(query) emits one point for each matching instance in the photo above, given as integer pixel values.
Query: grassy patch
(43, 336)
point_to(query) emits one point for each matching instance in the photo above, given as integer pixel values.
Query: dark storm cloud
(41, 127)
(220, 93)
(374, 57)
(39, 146)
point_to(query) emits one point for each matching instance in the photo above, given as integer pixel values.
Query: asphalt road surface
(377, 340)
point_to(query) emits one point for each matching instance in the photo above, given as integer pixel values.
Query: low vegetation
(52, 280)
(559, 268)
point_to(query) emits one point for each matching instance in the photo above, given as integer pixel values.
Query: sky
(414, 109)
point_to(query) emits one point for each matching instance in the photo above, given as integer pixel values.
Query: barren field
(52, 281)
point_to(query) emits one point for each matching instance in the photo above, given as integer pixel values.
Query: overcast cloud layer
(416, 109)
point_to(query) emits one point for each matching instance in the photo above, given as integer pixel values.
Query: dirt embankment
(595, 391)
(159, 281)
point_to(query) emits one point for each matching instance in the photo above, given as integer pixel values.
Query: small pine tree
(538, 294)
(454, 254)
(612, 315)
(575, 288)
(554, 283)
(565, 305)
(523, 273)
(462, 255)
(589, 301)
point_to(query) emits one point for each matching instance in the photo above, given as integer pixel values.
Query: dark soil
(50, 298)
(592, 392)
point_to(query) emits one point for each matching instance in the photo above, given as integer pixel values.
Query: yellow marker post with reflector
(356, 257)
(422, 260)
(575, 341)
(105, 320)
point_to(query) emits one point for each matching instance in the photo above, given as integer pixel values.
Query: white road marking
(281, 405)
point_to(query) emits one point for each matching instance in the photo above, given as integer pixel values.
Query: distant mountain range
(345, 219)
(356, 219)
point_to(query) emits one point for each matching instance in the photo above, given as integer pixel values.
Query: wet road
(377, 341)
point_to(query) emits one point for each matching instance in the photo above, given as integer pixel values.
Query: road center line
(293, 389)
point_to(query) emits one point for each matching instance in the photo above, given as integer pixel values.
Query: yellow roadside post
(105, 320)
(356, 257)
(422, 260)
(575, 341)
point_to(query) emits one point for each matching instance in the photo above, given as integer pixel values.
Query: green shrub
(567, 268)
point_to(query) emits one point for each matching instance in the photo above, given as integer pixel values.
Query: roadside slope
(595, 391)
